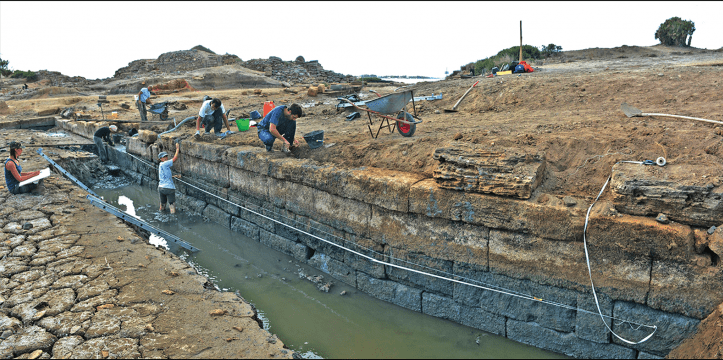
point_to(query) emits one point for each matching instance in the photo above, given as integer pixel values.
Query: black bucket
(315, 139)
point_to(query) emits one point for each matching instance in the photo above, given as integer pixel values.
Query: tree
(550, 49)
(4, 67)
(674, 31)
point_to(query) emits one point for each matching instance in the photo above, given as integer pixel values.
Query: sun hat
(16, 145)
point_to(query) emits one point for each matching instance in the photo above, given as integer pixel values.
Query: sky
(94, 39)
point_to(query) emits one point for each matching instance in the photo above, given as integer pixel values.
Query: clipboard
(43, 174)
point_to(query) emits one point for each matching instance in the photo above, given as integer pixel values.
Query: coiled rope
(452, 277)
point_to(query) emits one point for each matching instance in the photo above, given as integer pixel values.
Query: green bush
(28, 75)
(675, 31)
(550, 49)
(371, 79)
(506, 56)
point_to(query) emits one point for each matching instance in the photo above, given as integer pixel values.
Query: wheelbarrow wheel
(406, 130)
(163, 115)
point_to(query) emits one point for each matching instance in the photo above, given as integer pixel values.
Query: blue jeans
(287, 130)
(214, 120)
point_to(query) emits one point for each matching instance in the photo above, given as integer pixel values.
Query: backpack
(519, 69)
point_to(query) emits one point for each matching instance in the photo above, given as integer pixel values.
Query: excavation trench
(293, 299)
(495, 264)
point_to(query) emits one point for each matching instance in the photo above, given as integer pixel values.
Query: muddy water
(311, 322)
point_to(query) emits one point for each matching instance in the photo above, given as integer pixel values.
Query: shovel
(632, 112)
(454, 108)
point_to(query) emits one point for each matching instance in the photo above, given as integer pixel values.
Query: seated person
(14, 174)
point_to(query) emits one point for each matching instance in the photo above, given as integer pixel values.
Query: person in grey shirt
(143, 99)
(166, 189)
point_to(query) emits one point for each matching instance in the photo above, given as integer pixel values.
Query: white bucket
(135, 97)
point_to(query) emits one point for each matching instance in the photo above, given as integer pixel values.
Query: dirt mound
(173, 86)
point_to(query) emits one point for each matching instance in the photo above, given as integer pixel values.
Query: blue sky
(94, 39)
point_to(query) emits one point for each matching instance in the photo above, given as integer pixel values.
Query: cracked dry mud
(81, 284)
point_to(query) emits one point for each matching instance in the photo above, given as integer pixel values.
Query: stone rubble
(74, 288)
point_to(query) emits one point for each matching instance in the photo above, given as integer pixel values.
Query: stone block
(335, 268)
(253, 159)
(147, 136)
(215, 214)
(323, 238)
(672, 328)
(288, 247)
(497, 295)
(685, 288)
(249, 183)
(344, 214)
(446, 308)
(419, 262)
(261, 216)
(137, 147)
(190, 204)
(206, 172)
(434, 237)
(551, 222)
(639, 236)
(201, 150)
(647, 191)
(506, 172)
(313, 91)
(390, 291)
(564, 343)
(246, 228)
(588, 324)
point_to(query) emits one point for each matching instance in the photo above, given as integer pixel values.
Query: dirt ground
(569, 110)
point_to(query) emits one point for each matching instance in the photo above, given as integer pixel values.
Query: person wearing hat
(104, 134)
(280, 123)
(166, 189)
(143, 98)
(14, 174)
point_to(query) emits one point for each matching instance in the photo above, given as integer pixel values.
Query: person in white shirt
(212, 111)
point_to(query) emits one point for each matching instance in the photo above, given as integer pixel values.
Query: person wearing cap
(143, 98)
(280, 123)
(166, 189)
(104, 134)
(14, 174)
(211, 113)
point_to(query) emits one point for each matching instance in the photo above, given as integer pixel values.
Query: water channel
(309, 321)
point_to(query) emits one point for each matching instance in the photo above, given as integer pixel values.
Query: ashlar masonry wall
(644, 271)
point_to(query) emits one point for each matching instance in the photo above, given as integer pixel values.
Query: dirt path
(80, 283)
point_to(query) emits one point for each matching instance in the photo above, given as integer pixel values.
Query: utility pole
(520, 40)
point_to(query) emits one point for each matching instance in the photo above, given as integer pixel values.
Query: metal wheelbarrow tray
(390, 105)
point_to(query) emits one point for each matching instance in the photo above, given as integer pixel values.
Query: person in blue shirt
(143, 99)
(280, 123)
(14, 174)
(212, 112)
(166, 189)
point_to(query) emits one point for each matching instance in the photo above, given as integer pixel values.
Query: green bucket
(242, 124)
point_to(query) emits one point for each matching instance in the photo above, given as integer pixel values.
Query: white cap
(113, 128)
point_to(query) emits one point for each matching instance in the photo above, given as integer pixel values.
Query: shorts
(167, 194)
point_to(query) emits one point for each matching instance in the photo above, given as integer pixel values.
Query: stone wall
(644, 271)
(298, 71)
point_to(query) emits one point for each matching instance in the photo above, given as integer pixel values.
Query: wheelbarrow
(160, 109)
(394, 105)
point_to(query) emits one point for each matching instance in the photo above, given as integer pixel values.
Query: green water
(311, 322)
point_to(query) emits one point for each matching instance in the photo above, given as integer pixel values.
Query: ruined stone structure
(175, 61)
(298, 71)
(645, 271)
